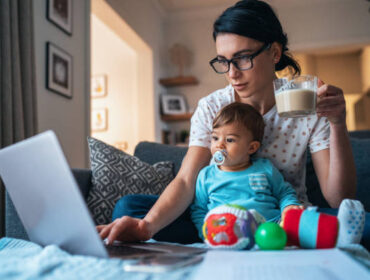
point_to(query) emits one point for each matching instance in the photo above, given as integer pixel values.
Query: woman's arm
(171, 204)
(180, 192)
(335, 167)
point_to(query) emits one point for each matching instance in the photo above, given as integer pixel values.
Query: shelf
(176, 118)
(178, 81)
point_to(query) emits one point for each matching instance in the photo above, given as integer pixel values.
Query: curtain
(18, 112)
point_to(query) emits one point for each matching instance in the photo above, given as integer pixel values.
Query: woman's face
(258, 79)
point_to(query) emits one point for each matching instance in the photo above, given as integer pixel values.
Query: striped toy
(310, 229)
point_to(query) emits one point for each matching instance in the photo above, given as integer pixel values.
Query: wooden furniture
(174, 118)
(178, 81)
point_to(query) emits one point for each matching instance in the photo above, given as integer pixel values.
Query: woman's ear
(253, 147)
(276, 50)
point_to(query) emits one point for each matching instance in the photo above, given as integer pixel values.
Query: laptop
(51, 207)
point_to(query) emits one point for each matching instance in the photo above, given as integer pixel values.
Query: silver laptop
(49, 203)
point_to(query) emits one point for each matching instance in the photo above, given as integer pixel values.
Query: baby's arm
(283, 191)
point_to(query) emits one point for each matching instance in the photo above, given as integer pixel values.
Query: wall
(118, 62)
(326, 25)
(364, 103)
(146, 19)
(69, 118)
(342, 70)
(365, 69)
(196, 35)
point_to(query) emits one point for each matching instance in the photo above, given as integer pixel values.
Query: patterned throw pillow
(115, 174)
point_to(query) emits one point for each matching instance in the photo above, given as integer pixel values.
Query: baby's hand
(288, 208)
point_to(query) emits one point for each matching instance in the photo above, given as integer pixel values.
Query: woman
(251, 46)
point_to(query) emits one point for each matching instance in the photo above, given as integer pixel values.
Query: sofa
(153, 152)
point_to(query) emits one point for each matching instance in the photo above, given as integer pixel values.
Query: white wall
(325, 23)
(145, 17)
(69, 118)
(118, 62)
(196, 35)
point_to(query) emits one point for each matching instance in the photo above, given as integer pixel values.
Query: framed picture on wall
(173, 104)
(99, 86)
(99, 119)
(59, 12)
(59, 70)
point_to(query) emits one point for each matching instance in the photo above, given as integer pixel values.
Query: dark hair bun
(257, 20)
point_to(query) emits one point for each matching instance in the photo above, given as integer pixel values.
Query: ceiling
(170, 6)
(178, 5)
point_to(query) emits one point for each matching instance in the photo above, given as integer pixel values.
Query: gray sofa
(154, 152)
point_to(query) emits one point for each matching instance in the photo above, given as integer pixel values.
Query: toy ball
(229, 227)
(310, 229)
(270, 236)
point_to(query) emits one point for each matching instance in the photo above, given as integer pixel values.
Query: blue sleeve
(199, 208)
(282, 189)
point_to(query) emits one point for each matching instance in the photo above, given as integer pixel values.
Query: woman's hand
(125, 229)
(331, 103)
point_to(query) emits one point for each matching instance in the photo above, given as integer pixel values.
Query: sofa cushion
(150, 152)
(115, 174)
(361, 153)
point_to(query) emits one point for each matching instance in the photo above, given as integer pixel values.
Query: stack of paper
(328, 264)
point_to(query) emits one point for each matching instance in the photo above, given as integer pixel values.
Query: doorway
(122, 92)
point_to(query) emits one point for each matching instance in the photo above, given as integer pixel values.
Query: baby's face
(238, 143)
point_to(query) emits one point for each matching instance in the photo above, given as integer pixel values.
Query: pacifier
(219, 157)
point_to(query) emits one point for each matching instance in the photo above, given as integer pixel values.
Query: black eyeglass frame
(250, 57)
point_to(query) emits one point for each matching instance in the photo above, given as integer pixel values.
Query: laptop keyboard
(116, 250)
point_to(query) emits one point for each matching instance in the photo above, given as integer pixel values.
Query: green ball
(270, 236)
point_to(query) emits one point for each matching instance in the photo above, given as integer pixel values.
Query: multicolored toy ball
(270, 236)
(229, 227)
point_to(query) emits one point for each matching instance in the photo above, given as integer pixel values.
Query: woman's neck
(262, 106)
(262, 101)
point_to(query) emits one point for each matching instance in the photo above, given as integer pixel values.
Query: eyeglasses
(242, 62)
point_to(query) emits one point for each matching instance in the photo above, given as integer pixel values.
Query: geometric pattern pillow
(116, 173)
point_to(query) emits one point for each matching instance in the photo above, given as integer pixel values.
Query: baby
(236, 178)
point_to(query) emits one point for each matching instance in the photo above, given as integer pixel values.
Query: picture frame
(99, 119)
(98, 86)
(173, 104)
(59, 12)
(59, 70)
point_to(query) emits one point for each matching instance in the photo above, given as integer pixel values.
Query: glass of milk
(296, 97)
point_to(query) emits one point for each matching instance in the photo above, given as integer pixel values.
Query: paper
(330, 264)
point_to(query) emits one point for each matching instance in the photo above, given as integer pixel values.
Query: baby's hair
(244, 114)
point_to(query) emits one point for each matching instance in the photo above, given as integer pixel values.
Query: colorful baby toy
(270, 236)
(234, 227)
(230, 227)
(310, 229)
